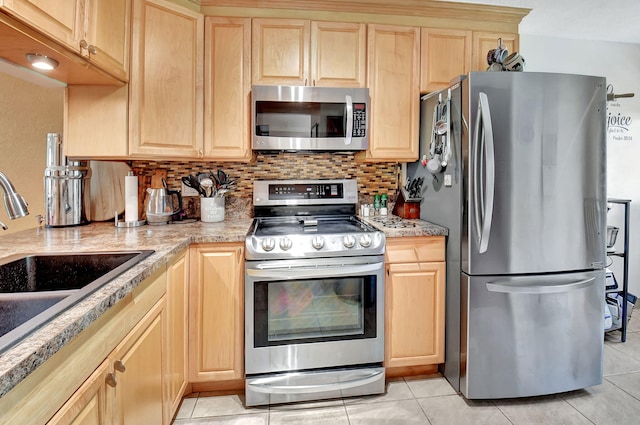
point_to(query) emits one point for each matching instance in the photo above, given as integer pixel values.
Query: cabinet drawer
(415, 249)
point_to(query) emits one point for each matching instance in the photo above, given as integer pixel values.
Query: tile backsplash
(373, 178)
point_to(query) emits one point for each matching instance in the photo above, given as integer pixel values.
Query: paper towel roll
(131, 197)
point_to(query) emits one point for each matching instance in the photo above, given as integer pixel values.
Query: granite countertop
(22, 358)
(395, 227)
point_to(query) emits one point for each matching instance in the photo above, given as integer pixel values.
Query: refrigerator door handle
(484, 179)
(511, 288)
(349, 131)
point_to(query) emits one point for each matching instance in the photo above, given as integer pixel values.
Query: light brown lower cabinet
(84, 382)
(414, 303)
(138, 372)
(145, 377)
(88, 406)
(177, 331)
(127, 387)
(216, 315)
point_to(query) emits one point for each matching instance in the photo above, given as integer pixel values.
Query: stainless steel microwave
(300, 118)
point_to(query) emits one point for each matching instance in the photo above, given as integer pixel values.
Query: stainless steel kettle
(162, 204)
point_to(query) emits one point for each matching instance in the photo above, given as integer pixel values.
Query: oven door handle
(304, 273)
(278, 384)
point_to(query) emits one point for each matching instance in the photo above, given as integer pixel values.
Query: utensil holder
(212, 209)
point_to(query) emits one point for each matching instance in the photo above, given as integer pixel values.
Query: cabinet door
(444, 54)
(88, 405)
(216, 313)
(393, 76)
(138, 366)
(61, 20)
(338, 54)
(107, 29)
(177, 331)
(227, 86)
(485, 41)
(165, 116)
(414, 314)
(280, 51)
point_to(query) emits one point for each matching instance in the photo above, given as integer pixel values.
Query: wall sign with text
(618, 123)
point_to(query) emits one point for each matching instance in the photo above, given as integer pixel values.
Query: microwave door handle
(349, 131)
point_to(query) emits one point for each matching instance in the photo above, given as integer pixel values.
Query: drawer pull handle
(110, 379)
(119, 366)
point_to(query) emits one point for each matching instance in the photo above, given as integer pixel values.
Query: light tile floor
(430, 400)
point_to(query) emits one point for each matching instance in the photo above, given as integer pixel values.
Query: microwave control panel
(359, 120)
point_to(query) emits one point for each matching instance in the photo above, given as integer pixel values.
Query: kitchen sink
(34, 288)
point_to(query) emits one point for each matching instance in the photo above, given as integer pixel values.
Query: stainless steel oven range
(314, 294)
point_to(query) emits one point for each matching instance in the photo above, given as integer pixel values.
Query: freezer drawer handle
(271, 385)
(483, 180)
(509, 287)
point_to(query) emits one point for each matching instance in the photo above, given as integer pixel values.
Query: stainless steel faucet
(14, 203)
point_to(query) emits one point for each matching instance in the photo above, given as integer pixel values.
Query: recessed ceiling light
(42, 62)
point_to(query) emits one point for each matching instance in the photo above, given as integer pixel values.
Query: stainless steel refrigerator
(515, 169)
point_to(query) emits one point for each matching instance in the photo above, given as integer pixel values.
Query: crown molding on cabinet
(411, 8)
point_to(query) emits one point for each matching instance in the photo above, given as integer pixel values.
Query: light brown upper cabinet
(444, 54)
(96, 122)
(227, 89)
(485, 41)
(394, 86)
(61, 20)
(166, 86)
(338, 54)
(96, 29)
(107, 36)
(280, 51)
(302, 52)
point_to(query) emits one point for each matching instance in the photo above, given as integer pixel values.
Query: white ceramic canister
(212, 209)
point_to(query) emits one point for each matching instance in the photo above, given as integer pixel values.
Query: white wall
(620, 64)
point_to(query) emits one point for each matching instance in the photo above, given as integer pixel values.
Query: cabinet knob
(119, 366)
(110, 380)
(89, 47)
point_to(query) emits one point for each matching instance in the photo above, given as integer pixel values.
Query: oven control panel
(306, 191)
(301, 192)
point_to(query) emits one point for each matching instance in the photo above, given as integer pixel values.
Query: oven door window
(314, 310)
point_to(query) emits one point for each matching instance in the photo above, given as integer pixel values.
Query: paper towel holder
(136, 223)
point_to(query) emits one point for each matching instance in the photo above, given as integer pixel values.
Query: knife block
(406, 207)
